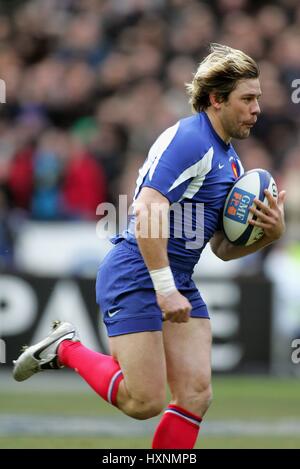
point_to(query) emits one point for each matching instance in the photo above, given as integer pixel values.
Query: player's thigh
(188, 357)
(142, 359)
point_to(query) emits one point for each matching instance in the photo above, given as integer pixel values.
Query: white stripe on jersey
(198, 181)
(154, 155)
(198, 172)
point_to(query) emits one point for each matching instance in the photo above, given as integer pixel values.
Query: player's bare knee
(154, 407)
(147, 404)
(146, 409)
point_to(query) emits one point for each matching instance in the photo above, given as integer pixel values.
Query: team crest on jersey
(237, 208)
(234, 169)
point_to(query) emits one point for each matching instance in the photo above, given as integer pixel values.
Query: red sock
(101, 372)
(178, 429)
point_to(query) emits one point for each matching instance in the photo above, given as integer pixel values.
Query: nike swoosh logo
(111, 315)
(37, 353)
(221, 166)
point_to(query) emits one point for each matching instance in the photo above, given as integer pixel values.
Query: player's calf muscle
(194, 400)
(193, 393)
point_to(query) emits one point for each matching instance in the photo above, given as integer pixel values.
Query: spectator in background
(29, 126)
(57, 180)
(291, 179)
(109, 146)
(121, 65)
(20, 179)
(6, 229)
(47, 176)
(84, 184)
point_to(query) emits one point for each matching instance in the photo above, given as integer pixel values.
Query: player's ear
(214, 101)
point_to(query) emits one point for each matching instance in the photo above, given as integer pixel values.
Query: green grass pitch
(255, 401)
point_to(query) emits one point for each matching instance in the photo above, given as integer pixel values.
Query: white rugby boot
(43, 355)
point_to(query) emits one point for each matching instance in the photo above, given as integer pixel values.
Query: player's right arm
(151, 231)
(173, 161)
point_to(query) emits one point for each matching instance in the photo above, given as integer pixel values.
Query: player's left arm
(269, 218)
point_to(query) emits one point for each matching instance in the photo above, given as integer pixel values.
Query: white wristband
(163, 280)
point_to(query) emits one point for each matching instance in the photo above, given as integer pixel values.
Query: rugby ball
(236, 214)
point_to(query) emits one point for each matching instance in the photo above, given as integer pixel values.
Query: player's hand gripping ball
(237, 214)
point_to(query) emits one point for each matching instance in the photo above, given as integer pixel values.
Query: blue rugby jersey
(190, 165)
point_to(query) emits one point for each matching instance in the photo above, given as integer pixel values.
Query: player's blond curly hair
(219, 73)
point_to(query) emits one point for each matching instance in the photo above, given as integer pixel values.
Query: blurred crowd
(90, 84)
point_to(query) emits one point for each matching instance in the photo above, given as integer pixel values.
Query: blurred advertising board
(240, 310)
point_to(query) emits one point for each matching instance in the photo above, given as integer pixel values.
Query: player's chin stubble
(240, 133)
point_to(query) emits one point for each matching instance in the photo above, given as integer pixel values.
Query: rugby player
(157, 322)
